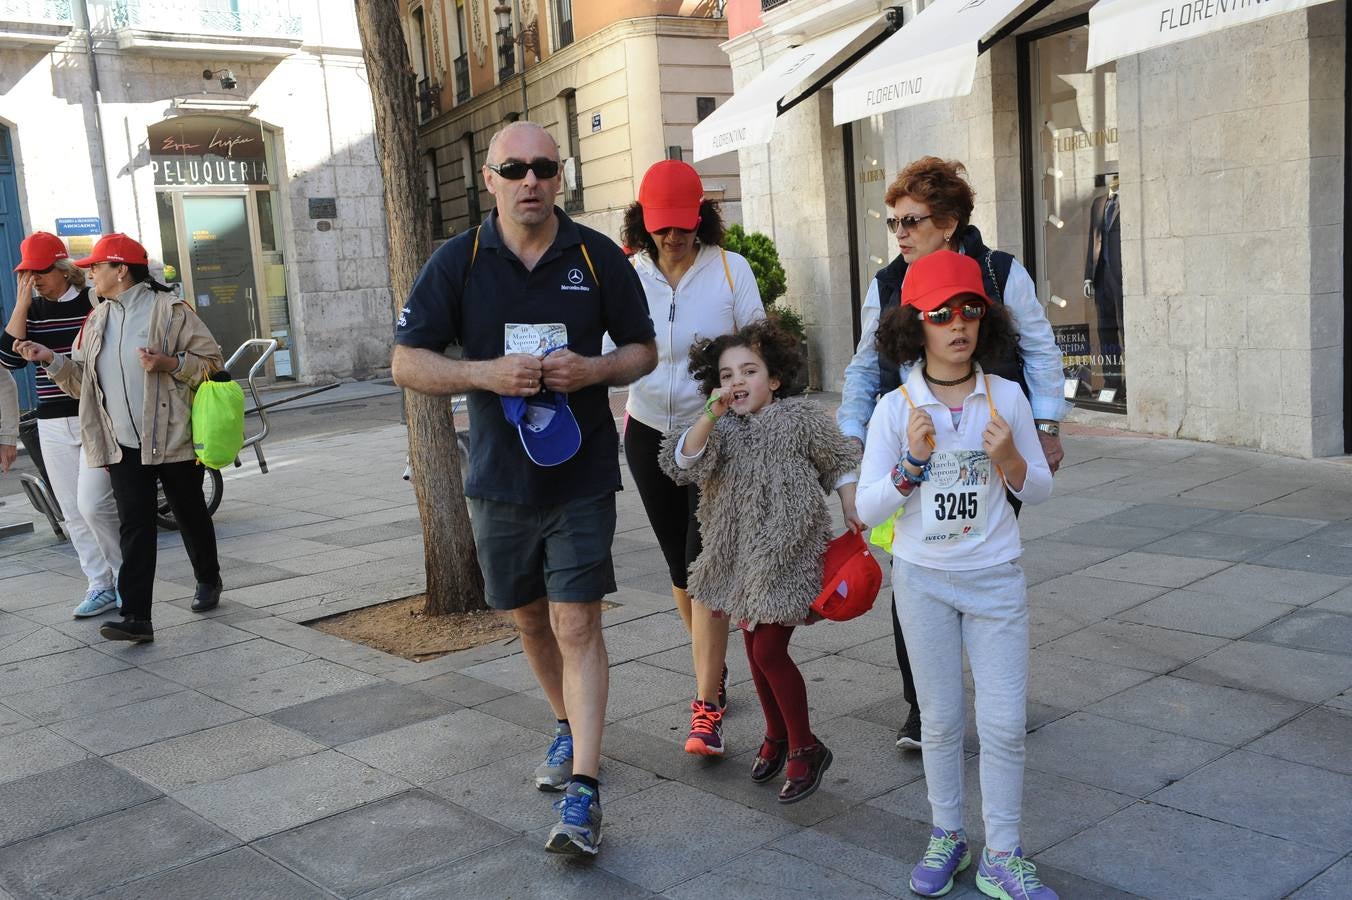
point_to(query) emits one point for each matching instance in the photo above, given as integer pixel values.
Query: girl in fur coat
(763, 474)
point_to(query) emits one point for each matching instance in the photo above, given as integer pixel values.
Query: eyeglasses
(970, 312)
(514, 170)
(905, 223)
(663, 232)
(47, 271)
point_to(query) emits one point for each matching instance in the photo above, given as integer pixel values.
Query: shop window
(1071, 144)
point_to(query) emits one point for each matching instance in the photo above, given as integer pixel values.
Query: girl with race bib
(942, 448)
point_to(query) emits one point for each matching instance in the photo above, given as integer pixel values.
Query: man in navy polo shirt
(529, 295)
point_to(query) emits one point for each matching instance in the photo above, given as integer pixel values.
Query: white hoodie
(702, 305)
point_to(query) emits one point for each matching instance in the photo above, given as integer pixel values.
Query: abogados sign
(194, 151)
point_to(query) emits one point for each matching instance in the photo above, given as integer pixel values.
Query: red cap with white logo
(115, 248)
(40, 251)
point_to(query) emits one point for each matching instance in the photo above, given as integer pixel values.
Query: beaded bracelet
(903, 480)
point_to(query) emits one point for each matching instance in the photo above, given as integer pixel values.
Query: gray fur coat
(763, 481)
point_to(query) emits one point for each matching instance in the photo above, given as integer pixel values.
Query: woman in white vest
(695, 289)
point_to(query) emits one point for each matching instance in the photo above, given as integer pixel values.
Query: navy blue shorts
(560, 552)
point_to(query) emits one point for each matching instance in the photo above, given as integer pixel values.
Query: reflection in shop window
(1076, 204)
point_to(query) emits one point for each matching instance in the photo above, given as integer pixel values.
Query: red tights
(779, 684)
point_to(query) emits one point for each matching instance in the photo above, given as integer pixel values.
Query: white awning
(933, 57)
(748, 117)
(1120, 28)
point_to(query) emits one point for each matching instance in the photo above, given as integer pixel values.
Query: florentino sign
(192, 151)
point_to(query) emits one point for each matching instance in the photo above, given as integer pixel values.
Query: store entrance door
(221, 274)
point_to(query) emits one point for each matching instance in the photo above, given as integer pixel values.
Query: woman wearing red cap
(695, 290)
(50, 307)
(142, 353)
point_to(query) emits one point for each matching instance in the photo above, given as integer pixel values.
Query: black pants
(899, 639)
(135, 494)
(670, 506)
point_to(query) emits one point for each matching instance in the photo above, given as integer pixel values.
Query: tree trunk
(454, 583)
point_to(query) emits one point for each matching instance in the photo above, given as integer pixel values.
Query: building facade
(618, 84)
(233, 138)
(1181, 209)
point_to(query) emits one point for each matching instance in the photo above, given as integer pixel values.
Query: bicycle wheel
(212, 488)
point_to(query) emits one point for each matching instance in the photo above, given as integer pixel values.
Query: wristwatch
(1053, 429)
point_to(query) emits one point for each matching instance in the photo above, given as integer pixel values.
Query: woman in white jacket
(695, 289)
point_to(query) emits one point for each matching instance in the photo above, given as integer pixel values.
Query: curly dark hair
(777, 347)
(636, 238)
(940, 184)
(901, 336)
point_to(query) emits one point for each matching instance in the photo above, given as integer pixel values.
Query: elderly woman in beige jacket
(135, 366)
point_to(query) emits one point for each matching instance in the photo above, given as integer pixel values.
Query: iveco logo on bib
(574, 281)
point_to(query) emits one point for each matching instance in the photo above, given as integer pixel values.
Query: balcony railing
(254, 18)
(429, 100)
(461, 65)
(48, 12)
(506, 54)
(767, 5)
(565, 33)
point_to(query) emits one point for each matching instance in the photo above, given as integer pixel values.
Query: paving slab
(459, 689)
(1298, 674)
(59, 668)
(1320, 737)
(1158, 569)
(89, 696)
(146, 722)
(35, 750)
(383, 842)
(241, 874)
(520, 870)
(1113, 850)
(1069, 682)
(869, 845)
(1208, 712)
(1135, 646)
(1338, 602)
(1104, 533)
(1166, 517)
(649, 840)
(1273, 528)
(356, 714)
(109, 851)
(228, 663)
(1088, 600)
(38, 642)
(291, 793)
(279, 688)
(1271, 796)
(447, 745)
(1212, 545)
(1054, 808)
(1330, 885)
(1271, 583)
(1117, 756)
(837, 685)
(59, 797)
(1311, 503)
(1228, 616)
(178, 640)
(511, 672)
(505, 792)
(213, 754)
(772, 873)
(1310, 629)
(12, 722)
(1309, 555)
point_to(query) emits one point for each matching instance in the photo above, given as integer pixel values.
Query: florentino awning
(1120, 28)
(748, 117)
(932, 58)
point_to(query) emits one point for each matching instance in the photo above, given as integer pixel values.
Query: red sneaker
(706, 730)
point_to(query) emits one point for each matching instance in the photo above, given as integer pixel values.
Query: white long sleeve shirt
(878, 498)
(702, 305)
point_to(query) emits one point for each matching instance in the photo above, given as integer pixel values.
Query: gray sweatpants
(986, 612)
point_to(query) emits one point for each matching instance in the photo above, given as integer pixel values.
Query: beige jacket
(166, 409)
(9, 410)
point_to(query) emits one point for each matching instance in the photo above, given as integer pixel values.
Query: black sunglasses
(906, 222)
(970, 312)
(514, 170)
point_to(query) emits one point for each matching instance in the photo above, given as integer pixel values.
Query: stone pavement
(1189, 704)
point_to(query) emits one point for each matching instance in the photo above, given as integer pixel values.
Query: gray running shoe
(557, 770)
(579, 830)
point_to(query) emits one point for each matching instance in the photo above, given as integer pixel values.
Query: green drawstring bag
(218, 421)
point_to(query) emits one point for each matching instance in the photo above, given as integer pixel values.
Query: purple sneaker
(946, 855)
(1010, 878)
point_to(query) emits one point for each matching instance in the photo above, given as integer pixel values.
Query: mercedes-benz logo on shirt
(574, 276)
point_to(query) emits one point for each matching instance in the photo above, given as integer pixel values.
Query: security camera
(228, 80)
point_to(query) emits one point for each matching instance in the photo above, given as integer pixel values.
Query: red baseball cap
(39, 251)
(934, 279)
(670, 195)
(116, 248)
(851, 579)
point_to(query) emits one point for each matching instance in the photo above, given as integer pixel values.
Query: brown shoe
(818, 759)
(769, 760)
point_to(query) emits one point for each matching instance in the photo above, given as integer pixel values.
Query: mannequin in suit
(1103, 273)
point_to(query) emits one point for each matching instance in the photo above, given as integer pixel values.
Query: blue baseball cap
(549, 432)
